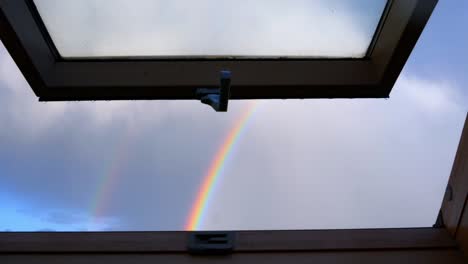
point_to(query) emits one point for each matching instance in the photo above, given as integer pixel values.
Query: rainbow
(215, 170)
(108, 181)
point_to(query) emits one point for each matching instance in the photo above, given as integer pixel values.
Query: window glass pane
(147, 28)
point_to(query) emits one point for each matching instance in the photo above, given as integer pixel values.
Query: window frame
(55, 79)
(245, 241)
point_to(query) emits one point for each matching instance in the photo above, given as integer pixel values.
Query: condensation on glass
(211, 28)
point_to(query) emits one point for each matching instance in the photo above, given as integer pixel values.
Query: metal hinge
(217, 98)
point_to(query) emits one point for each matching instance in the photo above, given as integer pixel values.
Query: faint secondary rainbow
(107, 182)
(215, 170)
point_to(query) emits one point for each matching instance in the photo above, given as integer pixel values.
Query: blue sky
(314, 164)
(440, 53)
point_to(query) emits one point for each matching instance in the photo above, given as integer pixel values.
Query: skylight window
(211, 28)
(175, 50)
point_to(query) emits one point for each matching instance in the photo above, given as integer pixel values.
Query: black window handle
(211, 243)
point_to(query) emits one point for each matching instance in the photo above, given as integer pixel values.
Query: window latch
(217, 98)
(211, 243)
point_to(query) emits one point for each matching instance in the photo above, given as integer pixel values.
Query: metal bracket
(211, 243)
(217, 98)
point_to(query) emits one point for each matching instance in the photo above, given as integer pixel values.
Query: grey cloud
(343, 163)
(299, 164)
(154, 152)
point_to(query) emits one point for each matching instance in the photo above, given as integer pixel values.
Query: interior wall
(454, 206)
(361, 257)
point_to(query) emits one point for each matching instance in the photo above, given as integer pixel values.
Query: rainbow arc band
(206, 190)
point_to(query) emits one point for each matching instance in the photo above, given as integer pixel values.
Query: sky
(298, 164)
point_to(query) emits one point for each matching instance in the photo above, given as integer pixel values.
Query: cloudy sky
(310, 164)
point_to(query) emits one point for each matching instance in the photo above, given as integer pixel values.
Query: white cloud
(432, 96)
